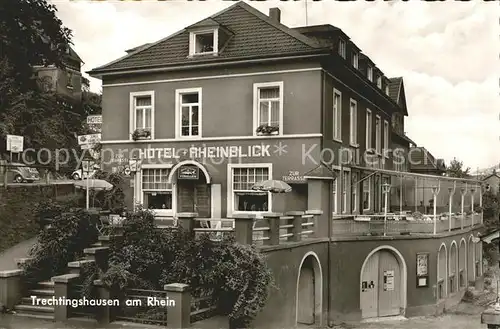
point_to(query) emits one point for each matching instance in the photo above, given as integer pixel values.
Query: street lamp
(134, 164)
(435, 191)
(87, 162)
(386, 188)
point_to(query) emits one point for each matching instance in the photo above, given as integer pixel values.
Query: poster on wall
(422, 269)
(389, 280)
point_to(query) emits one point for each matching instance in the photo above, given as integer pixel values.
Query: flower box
(267, 130)
(141, 134)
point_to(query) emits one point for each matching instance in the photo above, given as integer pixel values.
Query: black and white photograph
(249, 164)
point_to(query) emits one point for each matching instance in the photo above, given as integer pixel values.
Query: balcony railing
(401, 224)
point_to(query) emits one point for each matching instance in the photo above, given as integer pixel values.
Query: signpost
(15, 144)
(94, 120)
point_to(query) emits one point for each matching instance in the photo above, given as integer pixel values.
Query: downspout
(330, 224)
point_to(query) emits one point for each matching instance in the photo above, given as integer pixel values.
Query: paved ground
(448, 321)
(18, 251)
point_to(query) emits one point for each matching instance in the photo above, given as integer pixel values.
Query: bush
(69, 234)
(114, 199)
(235, 276)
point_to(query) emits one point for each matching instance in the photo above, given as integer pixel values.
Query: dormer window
(370, 73)
(204, 42)
(355, 59)
(379, 82)
(342, 48)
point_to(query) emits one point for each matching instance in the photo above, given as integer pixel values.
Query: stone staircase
(45, 290)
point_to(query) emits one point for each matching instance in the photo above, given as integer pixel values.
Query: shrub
(114, 199)
(69, 234)
(235, 276)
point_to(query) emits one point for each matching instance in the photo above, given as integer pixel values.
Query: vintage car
(21, 173)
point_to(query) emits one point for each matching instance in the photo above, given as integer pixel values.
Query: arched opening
(462, 264)
(309, 293)
(479, 258)
(471, 261)
(383, 283)
(453, 268)
(191, 181)
(442, 274)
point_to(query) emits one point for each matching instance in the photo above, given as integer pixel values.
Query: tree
(30, 34)
(455, 169)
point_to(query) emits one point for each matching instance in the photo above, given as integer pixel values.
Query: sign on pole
(94, 119)
(89, 139)
(15, 143)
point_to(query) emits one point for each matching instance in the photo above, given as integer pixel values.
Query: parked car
(82, 174)
(21, 173)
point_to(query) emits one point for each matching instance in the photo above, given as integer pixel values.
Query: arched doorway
(309, 293)
(470, 261)
(453, 268)
(383, 283)
(442, 266)
(462, 264)
(192, 182)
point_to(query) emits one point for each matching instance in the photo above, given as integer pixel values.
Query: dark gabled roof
(423, 160)
(255, 35)
(397, 93)
(491, 175)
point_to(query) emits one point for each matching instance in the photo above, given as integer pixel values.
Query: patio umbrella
(94, 184)
(273, 186)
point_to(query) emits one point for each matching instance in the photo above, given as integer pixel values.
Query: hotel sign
(188, 172)
(207, 152)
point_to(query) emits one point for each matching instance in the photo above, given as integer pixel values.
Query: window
(188, 113)
(342, 48)
(355, 59)
(156, 192)
(379, 82)
(345, 181)
(268, 105)
(69, 76)
(244, 198)
(369, 132)
(367, 193)
(354, 123)
(386, 138)
(337, 115)
(370, 73)
(378, 135)
(203, 42)
(142, 112)
(335, 194)
(354, 192)
(387, 90)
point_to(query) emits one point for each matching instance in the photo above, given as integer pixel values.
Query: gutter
(251, 60)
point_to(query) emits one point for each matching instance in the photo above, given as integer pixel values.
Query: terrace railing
(373, 225)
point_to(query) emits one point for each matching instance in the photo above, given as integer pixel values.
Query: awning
(322, 171)
(206, 168)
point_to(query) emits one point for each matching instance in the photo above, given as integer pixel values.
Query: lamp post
(451, 190)
(385, 189)
(435, 191)
(134, 166)
(463, 192)
(87, 161)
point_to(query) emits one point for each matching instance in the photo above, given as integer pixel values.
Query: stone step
(42, 292)
(46, 284)
(47, 316)
(74, 267)
(34, 309)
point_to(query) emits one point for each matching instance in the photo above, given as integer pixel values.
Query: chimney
(275, 14)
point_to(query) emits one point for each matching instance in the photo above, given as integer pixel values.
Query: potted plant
(266, 130)
(141, 134)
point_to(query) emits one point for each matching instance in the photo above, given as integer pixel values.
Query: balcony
(401, 224)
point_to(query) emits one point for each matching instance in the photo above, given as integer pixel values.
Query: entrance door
(194, 196)
(369, 287)
(389, 285)
(380, 286)
(306, 295)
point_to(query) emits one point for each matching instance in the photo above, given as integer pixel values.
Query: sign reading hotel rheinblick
(209, 152)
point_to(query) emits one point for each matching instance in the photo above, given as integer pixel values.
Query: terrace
(416, 205)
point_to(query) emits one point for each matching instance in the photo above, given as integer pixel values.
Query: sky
(446, 52)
